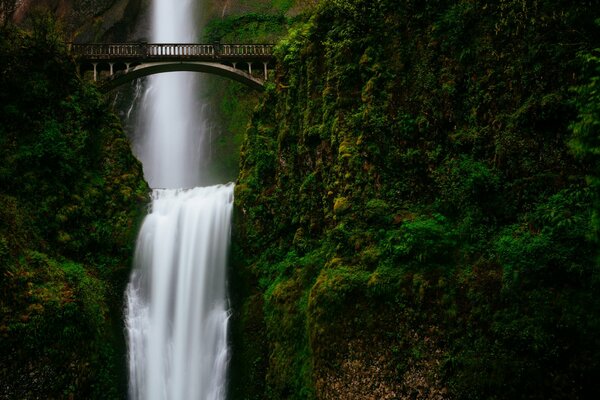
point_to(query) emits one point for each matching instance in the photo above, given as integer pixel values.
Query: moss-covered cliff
(70, 201)
(231, 103)
(412, 221)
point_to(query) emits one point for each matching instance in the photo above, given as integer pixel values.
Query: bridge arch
(121, 77)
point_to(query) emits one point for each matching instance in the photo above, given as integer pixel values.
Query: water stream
(176, 303)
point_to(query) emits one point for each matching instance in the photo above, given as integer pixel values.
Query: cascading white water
(176, 303)
(170, 142)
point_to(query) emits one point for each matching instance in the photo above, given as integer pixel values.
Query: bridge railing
(140, 51)
(179, 50)
(246, 50)
(108, 50)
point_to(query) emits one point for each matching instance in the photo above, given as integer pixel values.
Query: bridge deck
(131, 52)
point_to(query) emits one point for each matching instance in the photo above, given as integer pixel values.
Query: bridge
(118, 63)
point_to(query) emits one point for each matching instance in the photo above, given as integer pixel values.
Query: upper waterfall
(171, 124)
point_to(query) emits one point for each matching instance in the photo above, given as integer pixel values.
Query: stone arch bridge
(115, 64)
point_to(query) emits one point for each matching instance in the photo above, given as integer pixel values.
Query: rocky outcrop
(85, 20)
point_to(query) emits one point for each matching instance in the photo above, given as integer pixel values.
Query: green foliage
(468, 185)
(232, 101)
(59, 321)
(586, 129)
(246, 28)
(70, 202)
(421, 150)
(422, 241)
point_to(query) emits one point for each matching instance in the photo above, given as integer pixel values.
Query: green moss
(584, 142)
(407, 183)
(72, 196)
(246, 28)
(341, 205)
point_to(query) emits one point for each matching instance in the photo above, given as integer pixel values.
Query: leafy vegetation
(233, 102)
(71, 198)
(586, 128)
(417, 206)
(246, 28)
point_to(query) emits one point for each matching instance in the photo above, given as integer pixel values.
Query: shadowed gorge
(416, 212)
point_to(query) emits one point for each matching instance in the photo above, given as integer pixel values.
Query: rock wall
(86, 20)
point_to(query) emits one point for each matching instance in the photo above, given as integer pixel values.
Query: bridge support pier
(249, 67)
(111, 68)
(266, 71)
(95, 71)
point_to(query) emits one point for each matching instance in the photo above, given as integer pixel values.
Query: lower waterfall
(176, 303)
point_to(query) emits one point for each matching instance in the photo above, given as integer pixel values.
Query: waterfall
(176, 309)
(170, 130)
(176, 302)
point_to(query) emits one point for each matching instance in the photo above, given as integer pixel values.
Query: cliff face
(71, 197)
(411, 220)
(65, 9)
(88, 20)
